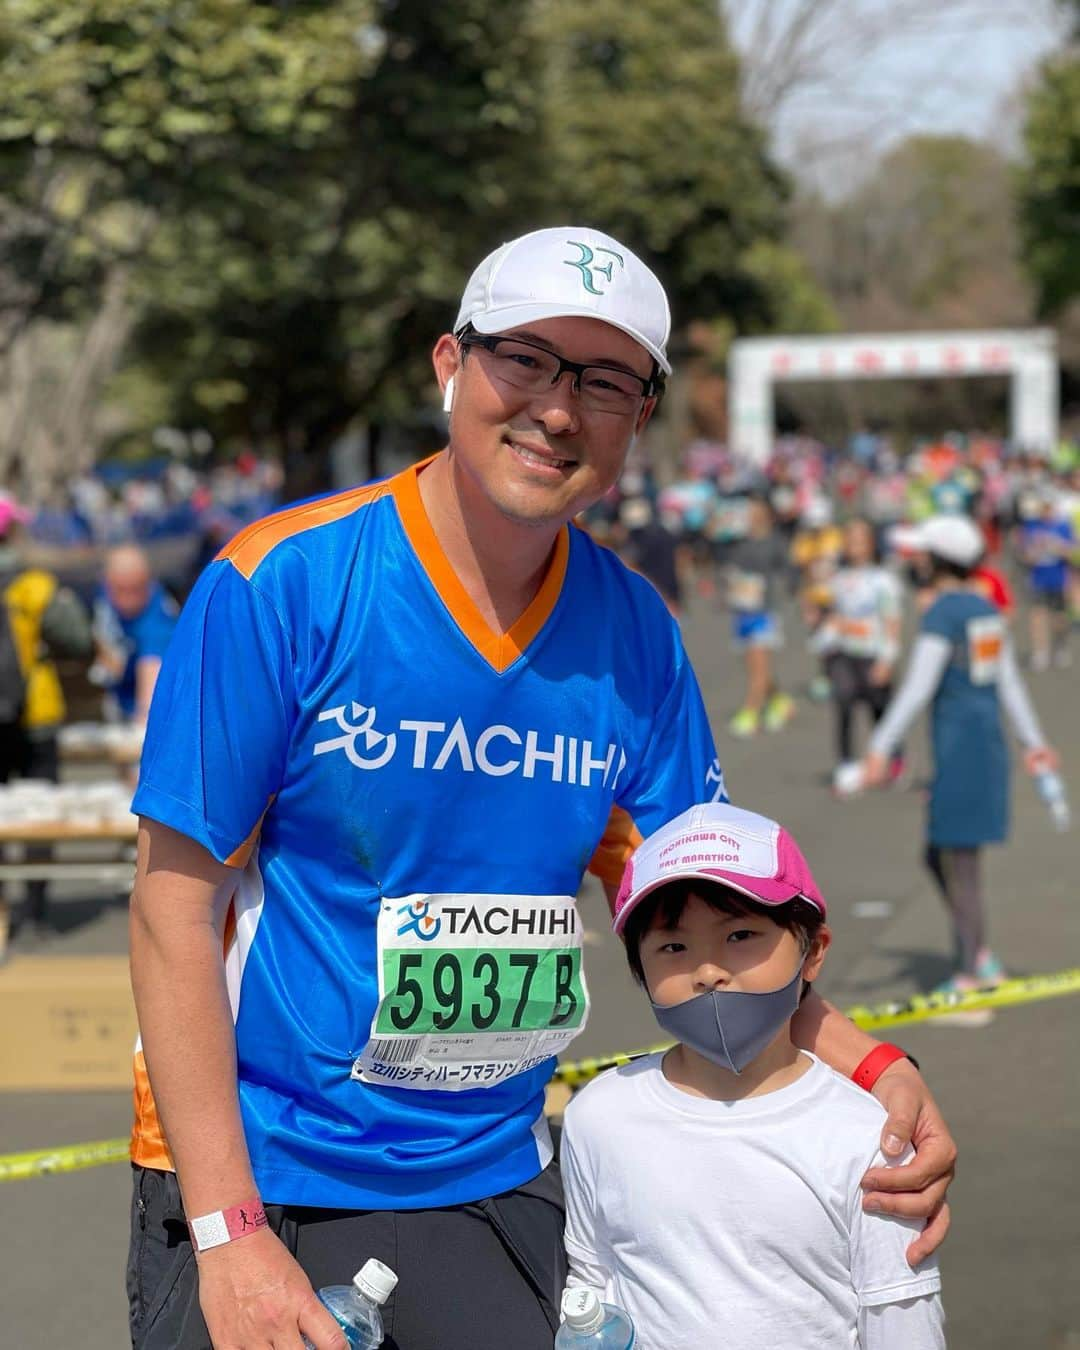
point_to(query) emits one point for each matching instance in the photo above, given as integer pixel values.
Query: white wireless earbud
(448, 395)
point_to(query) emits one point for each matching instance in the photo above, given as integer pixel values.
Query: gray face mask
(730, 1027)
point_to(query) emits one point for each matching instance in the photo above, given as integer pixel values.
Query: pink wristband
(226, 1225)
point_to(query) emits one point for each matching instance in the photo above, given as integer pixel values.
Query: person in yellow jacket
(39, 619)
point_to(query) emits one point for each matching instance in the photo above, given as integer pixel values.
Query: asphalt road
(1010, 1090)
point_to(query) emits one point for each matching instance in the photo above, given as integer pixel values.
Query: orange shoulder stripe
(252, 544)
(241, 855)
(619, 840)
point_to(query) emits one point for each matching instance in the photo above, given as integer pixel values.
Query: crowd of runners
(819, 535)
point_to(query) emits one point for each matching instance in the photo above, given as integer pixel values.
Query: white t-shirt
(740, 1223)
(866, 600)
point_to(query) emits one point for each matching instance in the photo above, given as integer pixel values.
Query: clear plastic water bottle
(355, 1307)
(589, 1324)
(1051, 789)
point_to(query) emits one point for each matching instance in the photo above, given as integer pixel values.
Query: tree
(928, 241)
(130, 132)
(647, 140)
(1049, 185)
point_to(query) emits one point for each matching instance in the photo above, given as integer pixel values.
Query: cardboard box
(66, 1022)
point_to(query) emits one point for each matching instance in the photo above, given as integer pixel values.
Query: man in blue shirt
(134, 618)
(394, 728)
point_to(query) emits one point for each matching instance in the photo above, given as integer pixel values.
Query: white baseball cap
(957, 539)
(568, 272)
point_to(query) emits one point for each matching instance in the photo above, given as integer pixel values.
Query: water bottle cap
(583, 1310)
(376, 1281)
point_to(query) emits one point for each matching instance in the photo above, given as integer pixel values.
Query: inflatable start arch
(1027, 356)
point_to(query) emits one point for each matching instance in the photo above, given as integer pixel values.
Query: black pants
(959, 879)
(23, 755)
(850, 680)
(469, 1277)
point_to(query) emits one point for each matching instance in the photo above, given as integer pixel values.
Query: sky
(876, 71)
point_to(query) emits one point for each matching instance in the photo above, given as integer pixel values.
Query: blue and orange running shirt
(411, 800)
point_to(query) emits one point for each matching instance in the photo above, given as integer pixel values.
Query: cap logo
(704, 843)
(699, 837)
(589, 268)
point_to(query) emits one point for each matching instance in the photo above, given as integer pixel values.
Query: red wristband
(875, 1064)
(226, 1225)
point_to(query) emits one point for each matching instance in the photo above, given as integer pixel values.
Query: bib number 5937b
(481, 991)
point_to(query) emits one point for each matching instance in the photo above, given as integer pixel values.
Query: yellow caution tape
(921, 1008)
(1030, 989)
(69, 1158)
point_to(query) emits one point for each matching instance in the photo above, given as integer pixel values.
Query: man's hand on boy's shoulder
(917, 1189)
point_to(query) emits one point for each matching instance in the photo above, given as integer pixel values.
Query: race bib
(986, 641)
(860, 634)
(473, 989)
(746, 590)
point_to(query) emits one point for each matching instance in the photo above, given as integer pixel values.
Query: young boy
(712, 1190)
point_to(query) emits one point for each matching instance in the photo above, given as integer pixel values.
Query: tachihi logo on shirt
(497, 750)
(380, 748)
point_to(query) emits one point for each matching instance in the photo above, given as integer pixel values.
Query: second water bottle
(589, 1324)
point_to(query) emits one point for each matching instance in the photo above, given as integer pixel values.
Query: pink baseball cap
(717, 842)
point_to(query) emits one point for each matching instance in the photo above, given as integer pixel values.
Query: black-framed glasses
(524, 365)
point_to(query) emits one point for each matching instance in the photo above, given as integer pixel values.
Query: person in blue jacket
(134, 618)
(964, 664)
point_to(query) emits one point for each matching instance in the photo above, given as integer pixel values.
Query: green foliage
(1049, 185)
(794, 301)
(647, 140)
(117, 115)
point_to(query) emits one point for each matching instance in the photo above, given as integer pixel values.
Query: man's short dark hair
(797, 916)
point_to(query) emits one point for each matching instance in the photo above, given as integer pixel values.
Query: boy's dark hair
(796, 916)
